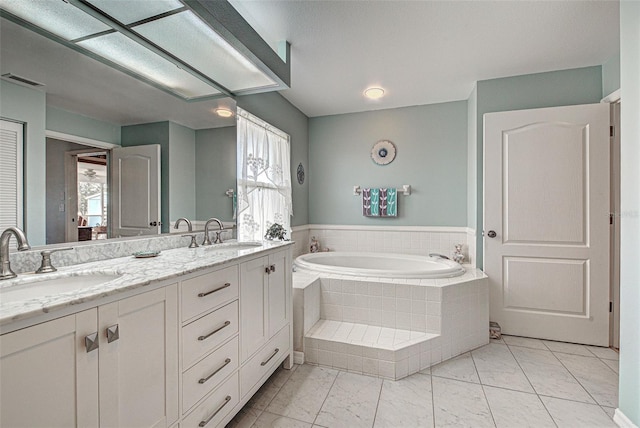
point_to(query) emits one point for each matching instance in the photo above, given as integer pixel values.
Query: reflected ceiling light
(224, 112)
(374, 93)
(183, 47)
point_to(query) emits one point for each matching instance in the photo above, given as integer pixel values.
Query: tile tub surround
(91, 251)
(420, 240)
(134, 273)
(389, 328)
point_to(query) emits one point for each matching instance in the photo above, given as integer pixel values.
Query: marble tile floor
(513, 382)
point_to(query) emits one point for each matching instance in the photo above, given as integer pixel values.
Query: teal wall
(431, 144)
(611, 75)
(555, 88)
(153, 133)
(28, 105)
(182, 179)
(82, 126)
(275, 109)
(629, 394)
(214, 178)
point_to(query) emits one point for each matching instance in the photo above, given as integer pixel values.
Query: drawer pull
(228, 284)
(91, 342)
(264, 363)
(113, 333)
(226, 401)
(226, 323)
(204, 379)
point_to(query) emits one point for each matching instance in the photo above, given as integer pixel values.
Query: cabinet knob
(91, 342)
(113, 333)
(272, 268)
(267, 270)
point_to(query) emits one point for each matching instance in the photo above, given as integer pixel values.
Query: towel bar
(405, 190)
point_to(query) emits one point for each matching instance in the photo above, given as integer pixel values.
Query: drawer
(215, 407)
(265, 360)
(205, 376)
(205, 292)
(207, 333)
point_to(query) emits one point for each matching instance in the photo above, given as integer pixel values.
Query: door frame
(614, 315)
(71, 178)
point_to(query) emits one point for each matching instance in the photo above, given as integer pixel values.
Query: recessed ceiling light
(374, 93)
(224, 112)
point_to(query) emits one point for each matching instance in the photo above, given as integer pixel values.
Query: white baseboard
(623, 421)
(298, 357)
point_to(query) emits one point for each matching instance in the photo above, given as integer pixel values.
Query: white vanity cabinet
(47, 376)
(265, 314)
(183, 354)
(139, 364)
(114, 365)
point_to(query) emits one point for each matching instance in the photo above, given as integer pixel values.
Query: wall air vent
(22, 81)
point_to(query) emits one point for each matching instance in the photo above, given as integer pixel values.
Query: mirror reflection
(77, 113)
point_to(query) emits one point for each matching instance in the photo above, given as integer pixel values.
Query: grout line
(573, 376)
(484, 394)
(433, 401)
(375, 415)
(325, 398)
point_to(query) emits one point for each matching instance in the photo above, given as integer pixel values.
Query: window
(264, 178)
(11, 140)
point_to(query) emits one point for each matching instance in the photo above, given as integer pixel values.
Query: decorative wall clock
(383, 152)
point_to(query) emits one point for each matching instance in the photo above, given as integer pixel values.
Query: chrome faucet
(186, 220)
(438, 255)
(207, 240)
(23, 245)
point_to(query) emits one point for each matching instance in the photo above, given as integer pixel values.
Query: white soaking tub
(379, 265)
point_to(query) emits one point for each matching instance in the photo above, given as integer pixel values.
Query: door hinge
(612, 131)
(611, 218)
(610, 306)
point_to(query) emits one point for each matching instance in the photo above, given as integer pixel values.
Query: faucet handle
(45, 265)
(193, 243)
(218, 239)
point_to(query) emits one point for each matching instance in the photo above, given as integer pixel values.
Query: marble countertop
(131, 273)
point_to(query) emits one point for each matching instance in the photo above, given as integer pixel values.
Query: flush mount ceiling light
(374, 93)
(193, 49)
(224, 112)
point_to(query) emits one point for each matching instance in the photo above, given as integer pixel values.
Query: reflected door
(136, 190)
(546, 222)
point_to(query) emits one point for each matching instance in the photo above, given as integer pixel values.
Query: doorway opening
(92, 197)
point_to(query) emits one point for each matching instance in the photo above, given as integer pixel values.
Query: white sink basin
(45, 285)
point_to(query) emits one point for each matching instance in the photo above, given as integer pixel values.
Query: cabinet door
(277, 306)
(48, 377)
(139, 367)
(253, 317)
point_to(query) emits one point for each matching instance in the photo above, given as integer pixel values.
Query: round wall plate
(383, 152)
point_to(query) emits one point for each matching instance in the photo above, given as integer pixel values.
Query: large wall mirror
(80, 113)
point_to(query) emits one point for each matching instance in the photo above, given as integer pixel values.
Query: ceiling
(424, 52)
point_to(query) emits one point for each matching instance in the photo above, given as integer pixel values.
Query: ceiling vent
(23, 81)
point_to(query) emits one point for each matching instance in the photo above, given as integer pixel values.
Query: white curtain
(264, 178)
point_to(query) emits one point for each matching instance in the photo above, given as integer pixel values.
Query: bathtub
(379, 265)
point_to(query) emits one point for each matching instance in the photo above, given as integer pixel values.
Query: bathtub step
(378, 351)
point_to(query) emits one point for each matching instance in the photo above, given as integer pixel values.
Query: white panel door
(136, 190)
(546, 222)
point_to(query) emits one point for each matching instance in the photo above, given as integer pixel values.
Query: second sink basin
(36, 287)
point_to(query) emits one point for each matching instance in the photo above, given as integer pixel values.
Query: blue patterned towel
(366, 202)
(375, 202)
(392, 203)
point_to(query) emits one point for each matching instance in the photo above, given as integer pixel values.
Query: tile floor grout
(582, 407)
